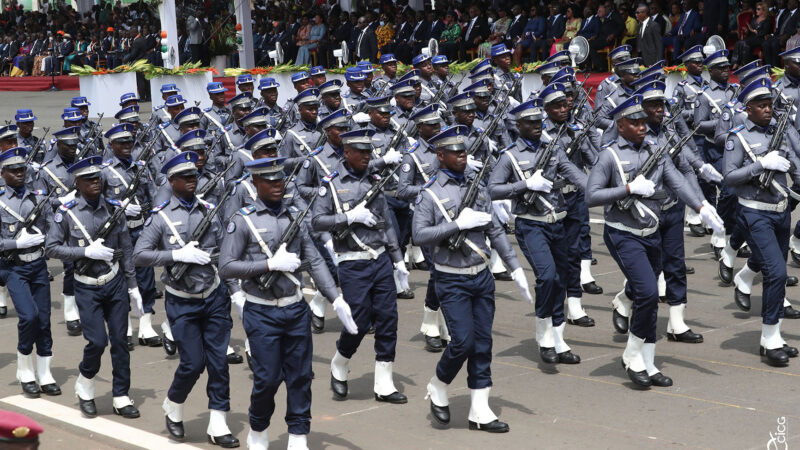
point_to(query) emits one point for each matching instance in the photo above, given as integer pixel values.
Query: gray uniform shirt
(419, 165)
(22, 206)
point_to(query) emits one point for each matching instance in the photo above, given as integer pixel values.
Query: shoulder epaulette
(682, 82)
(609, 143)
(247, 210)
(242, 178)
(45, 163)
(159, 207)
(53, 140)
(429, 183)
(736, 129)
(736, 85)
(113, 201)
(208, 205)
(158, 107)
(507, 148)
(731, 104)
(39, 192)
(651, 142)
(2, 190)
(67, 206)
(412, 147)
(229, 127)
(207, 109)
(163, 125)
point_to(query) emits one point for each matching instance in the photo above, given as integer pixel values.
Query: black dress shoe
(502, 276)
(584, 321)
(129, 342)
(433, 344)
(594, 261)
(687, 336)
(568, 357)
(3, 311)
(154, 341)
(494, 426)
(226, 441)
(717, 252)
(175, 429)
(128, 412)
(249, 360)
(689, 270)
(774, 357)
(74, 328)
(51, 389)
(791, 352)
(790, 313)
(440, 414)
(742, 300)
(395, 397)
(744, 252)
(548, 355)
(639, 378)
(791, 281)
(697, 230)
(725, 274)
(169, 346)
(422, 265)
(662, 299)
(592, 288)
(88, 407)
(159, 293)
(30, 389)
(339, 388)
(317, 324)
(408, 294)
(234, 358)
(371, 330)
(660, 380)
(795, 257)
(620, 322)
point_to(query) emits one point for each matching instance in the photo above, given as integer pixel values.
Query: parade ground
(723, 395)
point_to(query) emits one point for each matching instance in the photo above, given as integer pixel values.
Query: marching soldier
(54, 175)
(403, 96)
(368, 70)
(72, 118)
(100, 289)
(86, 127)
(330, 91)
(541, 232)
(269, 97)
(631, 235)
(118, 173)
(167, 90)
(763, 213)
(368, 257)
(217, 116)
(356, 92)
(627, 71)
(129, 99)
(276, 319)
(422, 63)
(301, 81)
(196, 304)
(464, 286)
(503, 78)
(389, 68)
(300, 138)
(24, 119)
(318, 75)
(8, 137)
(441, 70)
(482, 96)
(23, 270)
(246, 83)
(168, 130)
(253, 123)
(612, 82)
(241, 106)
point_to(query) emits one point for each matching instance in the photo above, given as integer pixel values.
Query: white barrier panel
(104, 91)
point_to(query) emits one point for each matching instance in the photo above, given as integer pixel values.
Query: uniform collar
(443, 177)
(752, 126)
(12, 193)
(83, 204)
(526, 145)
(622, 142)
(261, 207)
(345, 172)
(714, 85)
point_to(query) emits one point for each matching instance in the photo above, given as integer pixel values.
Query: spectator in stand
(533, 33)
(195, 29)
(366, 44)
(437, 24)
(499, 28)
(301, 38)
(402, 40)
(687, 33)
(648, 37)
(786, 24)
(591, 24)
(421, 34)
(477, 30)
(758, 28)
(517, 26)
(556, 24)
(630, 25)
(571, 28)
(611, 27)
(451, 36)
(660, 18)
(317, 32)
(793, 41)
(385, 36)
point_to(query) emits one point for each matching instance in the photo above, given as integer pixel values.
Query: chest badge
(12, 228)
(173, 240)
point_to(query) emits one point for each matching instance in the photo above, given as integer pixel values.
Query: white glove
(136, 301)
(238, 298)
(361, 117)
(402, 274)
(518, 275)
(642, 186)
(774, 161)
(538, 182)
(331, 251)
(345, 316)
(474, 164)
(710, 174)
(502, 209)
(710, 217)
(35, 166)
(190, 254)
(361, 214)
(96, 250)
(392, 156)
(133, 210)
(283, 261)
(469, 218)
(28, 240)
(67, 198)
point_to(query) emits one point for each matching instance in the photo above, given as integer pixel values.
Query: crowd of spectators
(56, 36)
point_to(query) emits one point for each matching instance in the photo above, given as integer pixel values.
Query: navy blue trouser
(431, 298)
(709, 153)
(69, 278)
(639, 258)
(281, 348)
(768, 237)
(673, 261)
(545, 247)
(201, 329)
(98, 306)
(575, 224)
(400, 215)
(371, 293)
(145, 279)
(468, 308)
(29, 288)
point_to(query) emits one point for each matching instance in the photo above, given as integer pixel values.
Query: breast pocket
(114, 187)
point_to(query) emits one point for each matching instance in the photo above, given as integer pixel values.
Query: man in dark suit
(437, 24)
(402, 46)
(591, 24)
(556, 24)
(367, 42)
(477, 31)
(420, 34)
(648, 37)
(517, 26)
(687, 33)
(611, 26)
(714, 18)
(658, 16)
(785, 26)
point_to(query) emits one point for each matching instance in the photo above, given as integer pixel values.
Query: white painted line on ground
(98, 425)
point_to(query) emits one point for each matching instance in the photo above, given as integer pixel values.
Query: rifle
(36, 147)
(529, 198)
(577, 108)
(498, 115)
(369, 196)
(577, 140)
(766, 177)
(177, 270)
(214, 181)
(652, 162)
(456, 241)
(297, 166)
(91, 135)
(82, 265)
(284, 117)
(440, 93)
(266, 280)
(29, 221)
